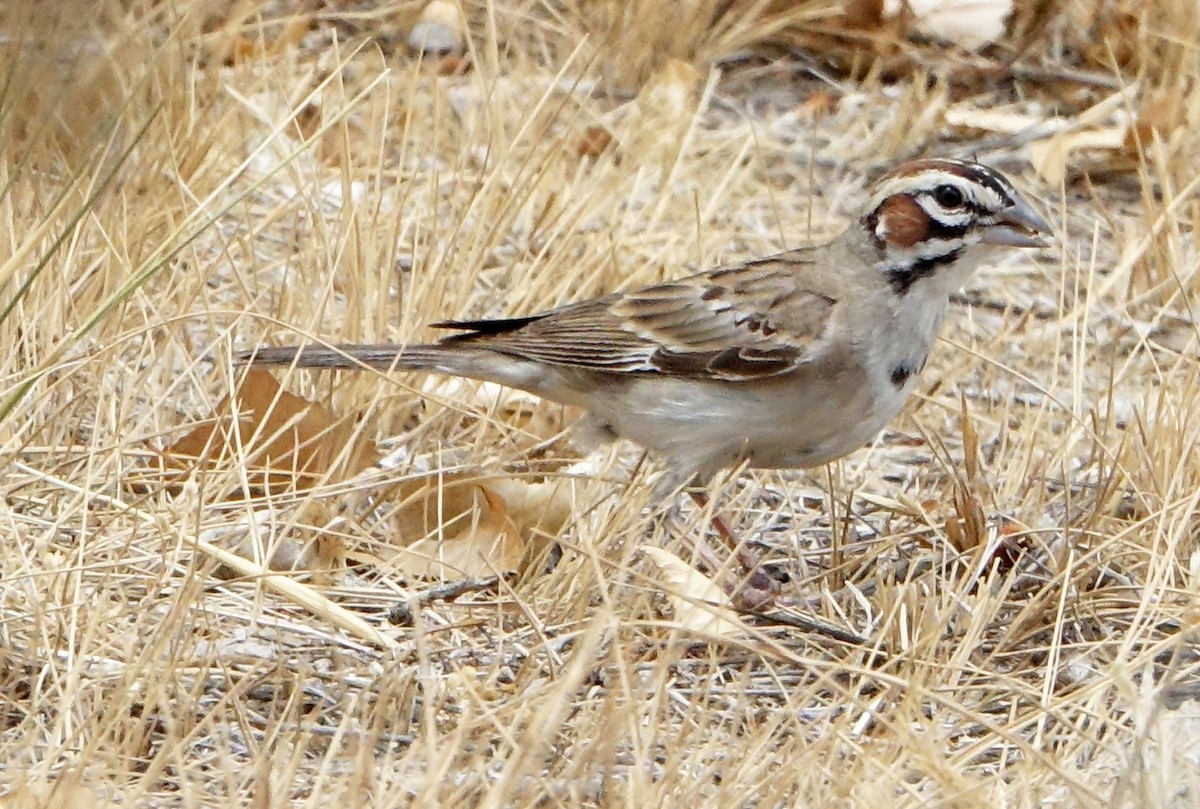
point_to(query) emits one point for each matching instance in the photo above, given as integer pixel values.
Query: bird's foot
(755, 591)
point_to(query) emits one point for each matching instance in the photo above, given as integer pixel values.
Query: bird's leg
(755, 589)
(747, 556)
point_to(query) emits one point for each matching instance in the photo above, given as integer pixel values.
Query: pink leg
(756, 589)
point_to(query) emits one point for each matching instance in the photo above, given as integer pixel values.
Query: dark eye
(949, 197)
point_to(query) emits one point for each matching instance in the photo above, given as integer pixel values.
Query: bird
(785, 362)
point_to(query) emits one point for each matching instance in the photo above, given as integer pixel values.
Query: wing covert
(744, 322)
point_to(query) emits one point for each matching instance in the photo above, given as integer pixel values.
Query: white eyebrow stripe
(926, 180)
(936, 212)
(982, 194)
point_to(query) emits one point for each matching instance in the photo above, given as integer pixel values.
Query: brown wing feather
(724, 324)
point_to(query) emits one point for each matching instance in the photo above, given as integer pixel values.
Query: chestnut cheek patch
(902, 222)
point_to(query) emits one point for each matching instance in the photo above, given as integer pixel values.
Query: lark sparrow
(788, 361)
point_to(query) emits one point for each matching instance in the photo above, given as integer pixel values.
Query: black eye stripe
(973, 211)
(941, 230)
(977, 175)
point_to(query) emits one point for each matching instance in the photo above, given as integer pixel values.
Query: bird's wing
(743, 322)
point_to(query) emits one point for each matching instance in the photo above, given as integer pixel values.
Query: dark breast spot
(905, 371)
(901, 374)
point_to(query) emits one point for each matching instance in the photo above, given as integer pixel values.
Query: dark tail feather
(383, 357)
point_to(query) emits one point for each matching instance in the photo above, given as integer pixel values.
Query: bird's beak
(1019, 226)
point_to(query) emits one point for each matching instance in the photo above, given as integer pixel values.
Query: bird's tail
(383, 357)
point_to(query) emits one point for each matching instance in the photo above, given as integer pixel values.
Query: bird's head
(930, 218)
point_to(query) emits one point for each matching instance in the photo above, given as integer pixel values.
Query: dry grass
(180, 180)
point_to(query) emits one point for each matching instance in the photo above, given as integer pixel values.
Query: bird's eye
(949, 197)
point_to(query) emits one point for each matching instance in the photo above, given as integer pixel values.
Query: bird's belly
(778, 423)
(834, 425)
